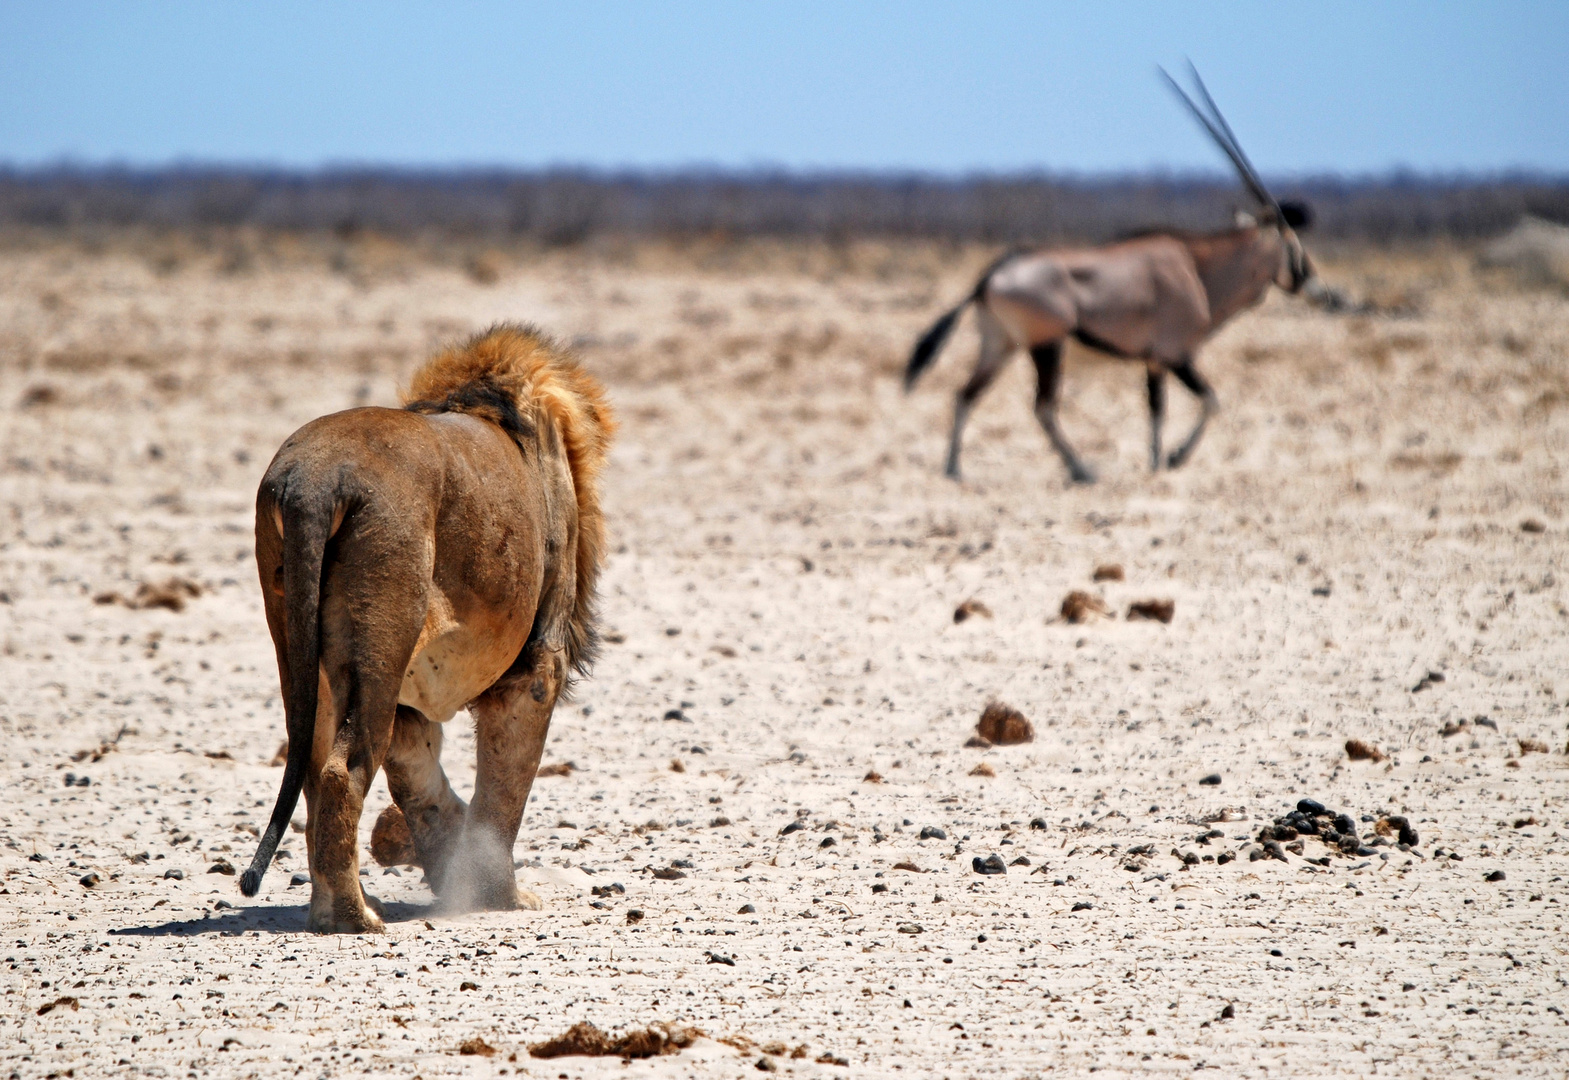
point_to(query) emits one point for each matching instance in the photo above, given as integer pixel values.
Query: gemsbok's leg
(431, 810)
(1155, 379)
(996, 347)
(1208, 403)
(511, 721)
(1048, 390)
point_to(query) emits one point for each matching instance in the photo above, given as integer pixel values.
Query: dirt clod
(1109, 572)
(1003, 725)
(391, 844)
(969, 608)
(476, 1047)
(1357, 750)
(1157, 610)
(585, 1040)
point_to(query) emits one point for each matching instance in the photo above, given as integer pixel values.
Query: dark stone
(1038, 823)
(794, 826)
(1212, 780)
(1496, 875)
(1344, 825)
(992, 864)
(1313, 807)
(932, 832)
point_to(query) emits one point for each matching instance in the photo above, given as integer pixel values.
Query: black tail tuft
(250, 881)
(930, 344)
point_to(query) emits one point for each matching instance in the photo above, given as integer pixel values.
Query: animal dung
(983, 770)
(391, 844)
(170, 594)
(1003, 725)
(1357, 750)
(1108, 572)
(585, 1040)
(1157, 610)
(971, 607)
(1079, 606)
(558, 768)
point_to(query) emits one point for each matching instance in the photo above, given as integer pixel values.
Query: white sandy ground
(787, 560)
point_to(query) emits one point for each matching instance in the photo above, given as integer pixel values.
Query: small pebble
(89, 881)
(932, 832)
(296, 879)
(992, 864)
(1496, 875)
(174, 874)
(1212, 780)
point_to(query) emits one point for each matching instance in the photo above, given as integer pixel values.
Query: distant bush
(567, 207)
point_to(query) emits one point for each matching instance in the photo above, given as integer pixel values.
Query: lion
(419, 561)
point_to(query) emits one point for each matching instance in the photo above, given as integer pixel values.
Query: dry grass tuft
(1079, 606)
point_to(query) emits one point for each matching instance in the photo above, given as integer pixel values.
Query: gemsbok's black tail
(936, 337)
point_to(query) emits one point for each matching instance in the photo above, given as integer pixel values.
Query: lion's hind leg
(430, 813)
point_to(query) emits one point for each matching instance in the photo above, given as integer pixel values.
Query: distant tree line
(561, 207)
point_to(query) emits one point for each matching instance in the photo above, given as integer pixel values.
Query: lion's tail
(307, 527)
(512, 371)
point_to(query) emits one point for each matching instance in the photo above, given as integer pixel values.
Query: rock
(476, 1046)
(1532, 525)
(1020, 861)
(975, 742)
(1225, 857)
(720, 958)
(1038, 823)
(1079, 606)
(1212, 780)
(1228, 1013)
(1357, 750)
(667, 873)
(1108, 572)
(1496, 875)
(747, 909)
(1350, 845)
(299, 879)
(1083, 905)
(872, 777)
(559, 768)
(1311, 807)
(1004, 725)
(992, 864)
(911, 928)
(1156, 610)
(222, 866)
(984, 770)
(1344, 825)
(827, 841)
(89, 881)
(634, 917)
(1255, 853)
(765, 1064)
(174, 874)
(932, 832)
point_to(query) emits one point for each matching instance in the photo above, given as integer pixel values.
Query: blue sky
(947, 88)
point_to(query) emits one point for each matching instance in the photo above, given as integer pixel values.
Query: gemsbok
(1155, 297)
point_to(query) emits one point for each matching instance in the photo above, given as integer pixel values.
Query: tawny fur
(532, 370)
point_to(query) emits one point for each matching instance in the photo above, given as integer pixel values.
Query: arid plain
(1369, 544)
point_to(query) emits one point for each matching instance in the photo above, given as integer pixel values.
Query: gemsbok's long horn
(1221, 132)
